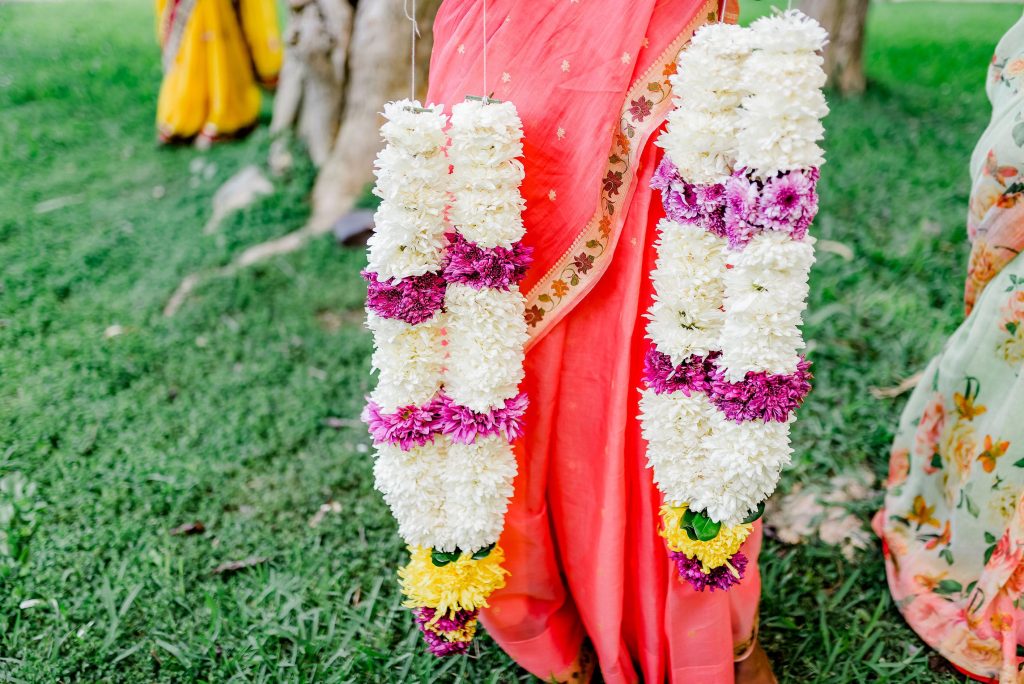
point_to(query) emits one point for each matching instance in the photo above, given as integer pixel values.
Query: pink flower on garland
(741, 214)
(408, 427)
(464, 425)
(441, 637)
(789, 203)
(662, 376)
(414, 299)
(761, 396)
(480, 267)
(719, 578)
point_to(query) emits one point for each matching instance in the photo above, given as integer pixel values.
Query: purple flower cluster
(694, 375)
(464, 425)
(480, 267)
(408, 427)
(414, 299)
(761, 396)
(720, 578)
(440, 636)
(758, 396)
(412, 426)
(786, 203)
(687, 203)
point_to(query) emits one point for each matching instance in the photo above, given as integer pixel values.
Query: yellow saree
(213, 53)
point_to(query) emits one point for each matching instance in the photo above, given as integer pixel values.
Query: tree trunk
(378, 72)
(312, 81)
(844, 20)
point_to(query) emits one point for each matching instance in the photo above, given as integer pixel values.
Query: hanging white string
(485, 94)
(413, 34)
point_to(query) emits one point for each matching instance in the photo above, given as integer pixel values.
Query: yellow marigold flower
(711, 554)
(462, 585)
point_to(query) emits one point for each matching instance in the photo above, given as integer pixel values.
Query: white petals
(409, 359)
(486, 204)
(765, 297)
(780, 126)
(744, 461)
(676, 427)
(446, 495)
(486, 334)
(412, 174)
(686, 316)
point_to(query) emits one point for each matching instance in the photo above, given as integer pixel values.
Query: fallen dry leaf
(323, 511)
(188, 529)
(819, 511)
(231, 567)
(891, 392)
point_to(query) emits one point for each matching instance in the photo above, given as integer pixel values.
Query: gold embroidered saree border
(646, 105)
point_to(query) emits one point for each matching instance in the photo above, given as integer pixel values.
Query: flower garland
(723, 375)
(449, 333)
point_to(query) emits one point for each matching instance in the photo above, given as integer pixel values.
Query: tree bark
(312, 81)
(845, 22)
(378, 72)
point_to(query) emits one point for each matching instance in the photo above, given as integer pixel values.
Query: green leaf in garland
(443, 558)
(756, 515)
(480, 554)
(706, 528)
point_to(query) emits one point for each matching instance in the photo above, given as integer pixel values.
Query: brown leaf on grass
(232, 567)
(891, 392)
(323, 511)
(819, 511)
(188, 529)
(838, 248)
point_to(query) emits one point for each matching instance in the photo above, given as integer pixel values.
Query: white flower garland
(731, 282)
(449, 332)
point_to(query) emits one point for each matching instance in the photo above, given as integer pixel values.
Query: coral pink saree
(589, 78)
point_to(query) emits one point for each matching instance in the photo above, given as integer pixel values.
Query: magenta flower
(480, 267)
(761, 396)
(440, 637)
(720, 578)
(692, 376)
(464, 425)
(408, 427)
(789, 203)
(741, 214)
(414, 299)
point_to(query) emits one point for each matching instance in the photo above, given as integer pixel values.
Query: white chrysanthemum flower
(765, 297)
(409, 359)
(676, 428)
(701, 135)
(744, 461)
(789, 31)
(413, 489)
(489, 219)
(686, 316)
(779, 123)
(502, 177)
(477, 479)
(486, 337)
(486, 134)
(405, 244)
(412, 131)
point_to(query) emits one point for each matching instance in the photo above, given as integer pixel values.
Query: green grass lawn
(228, 413)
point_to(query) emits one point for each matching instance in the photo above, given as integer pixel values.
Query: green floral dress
(953, 522)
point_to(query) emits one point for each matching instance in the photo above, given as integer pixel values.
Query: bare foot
(755, 668)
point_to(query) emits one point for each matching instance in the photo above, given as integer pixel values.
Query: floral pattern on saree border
(646, 105)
